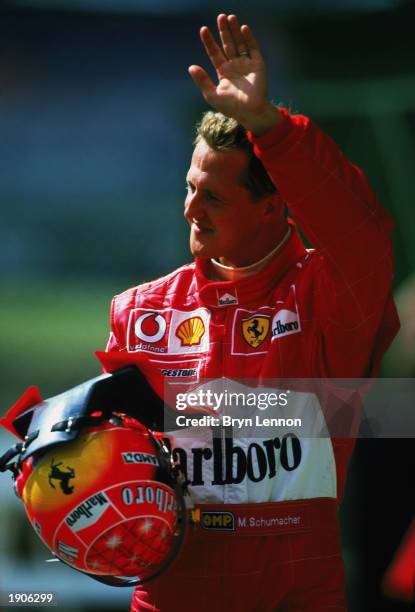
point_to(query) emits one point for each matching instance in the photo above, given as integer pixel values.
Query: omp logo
(227, 299)
(135, 457)
(224, 521)
(191, 331)
(156, 327)
(284, 323)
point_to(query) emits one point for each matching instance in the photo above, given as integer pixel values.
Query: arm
(329, 197)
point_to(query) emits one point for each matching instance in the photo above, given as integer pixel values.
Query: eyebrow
(209, 191)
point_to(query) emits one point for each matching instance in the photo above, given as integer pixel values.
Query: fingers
(203, 81)
(226, 37)
(235, 31)
(236, 41)
(213, 50)
(250, 41)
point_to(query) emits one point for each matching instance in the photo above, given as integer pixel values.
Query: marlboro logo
(227, 300)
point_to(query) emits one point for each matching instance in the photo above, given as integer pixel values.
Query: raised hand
(241, 91)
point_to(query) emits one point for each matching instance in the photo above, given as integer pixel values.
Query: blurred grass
(49, 332)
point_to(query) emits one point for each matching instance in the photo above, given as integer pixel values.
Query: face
(225, 222)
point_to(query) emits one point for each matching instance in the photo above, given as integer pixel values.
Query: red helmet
(106, 502)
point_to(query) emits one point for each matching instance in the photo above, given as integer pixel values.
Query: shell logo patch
(255, 329)
(191, 331)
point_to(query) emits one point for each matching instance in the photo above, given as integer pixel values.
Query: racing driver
(255, 303)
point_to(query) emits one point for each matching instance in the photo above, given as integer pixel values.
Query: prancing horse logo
(64, 477)
(255, 330)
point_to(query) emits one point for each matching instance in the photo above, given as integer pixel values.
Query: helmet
(106, 502)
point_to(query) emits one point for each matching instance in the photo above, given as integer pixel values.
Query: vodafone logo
(168, 331)
(150, 327)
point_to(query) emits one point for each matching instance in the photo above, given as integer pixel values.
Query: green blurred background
(96, 128)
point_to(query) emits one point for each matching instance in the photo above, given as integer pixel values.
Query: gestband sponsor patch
(179, 372)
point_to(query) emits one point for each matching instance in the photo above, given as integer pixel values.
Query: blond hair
(226, 134)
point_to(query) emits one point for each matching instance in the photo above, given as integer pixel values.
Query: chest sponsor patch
(147, 331)
(227, 298)
(255, 329)
(189, 332)
(168, 331)
(181, 369)
(251, 331)
(286, 320)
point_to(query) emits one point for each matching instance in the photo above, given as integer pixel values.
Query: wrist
(265, 120)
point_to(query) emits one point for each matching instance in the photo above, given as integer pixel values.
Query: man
(256, 304)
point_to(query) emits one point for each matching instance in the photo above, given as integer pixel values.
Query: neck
(224, 271)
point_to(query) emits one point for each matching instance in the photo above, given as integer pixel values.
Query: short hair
(226, 134)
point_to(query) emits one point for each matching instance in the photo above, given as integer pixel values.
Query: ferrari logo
(64, 476)
(255, 330)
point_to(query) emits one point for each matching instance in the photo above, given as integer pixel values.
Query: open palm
(242, 83)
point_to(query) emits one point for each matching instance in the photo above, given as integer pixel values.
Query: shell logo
(190, 332)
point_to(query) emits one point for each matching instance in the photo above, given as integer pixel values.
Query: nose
(193, 208)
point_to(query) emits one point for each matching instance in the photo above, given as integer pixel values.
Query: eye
(214, 200)
(213, 197)
(189, 188)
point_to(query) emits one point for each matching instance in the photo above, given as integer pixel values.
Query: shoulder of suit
(159, 285)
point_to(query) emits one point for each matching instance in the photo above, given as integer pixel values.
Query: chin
(199, 249)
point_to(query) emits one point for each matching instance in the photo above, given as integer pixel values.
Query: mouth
(200, 229)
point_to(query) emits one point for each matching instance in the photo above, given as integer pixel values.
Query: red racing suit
(322, 313)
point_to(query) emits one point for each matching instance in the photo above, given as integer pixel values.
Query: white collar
(234, 273)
